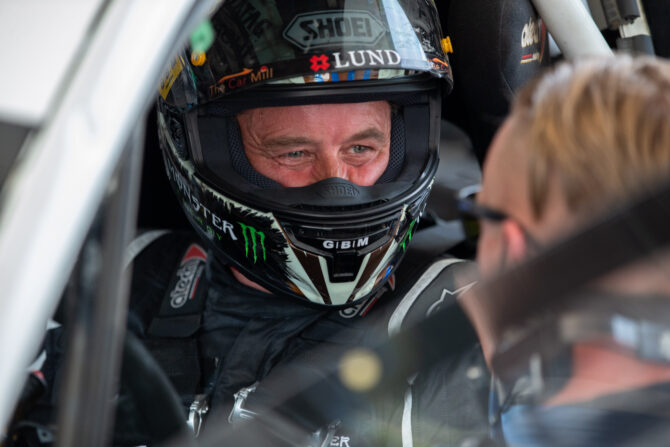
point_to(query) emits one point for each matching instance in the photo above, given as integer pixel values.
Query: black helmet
(333, 242)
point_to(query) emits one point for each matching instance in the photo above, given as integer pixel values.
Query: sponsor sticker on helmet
(188, 276)
(166, 85)
(314, 242)
(254, 242)
(346, 245)
(319, 62)
(323, 29)
(359, 58)
(242, 78)
(351, 60)
(408, 235)
(439, 64)
(208, 220)
(254, 16)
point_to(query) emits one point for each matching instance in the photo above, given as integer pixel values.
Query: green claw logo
(408, 235)
(252, 234)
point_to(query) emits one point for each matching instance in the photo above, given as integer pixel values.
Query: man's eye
(358, 149)
(294, 154)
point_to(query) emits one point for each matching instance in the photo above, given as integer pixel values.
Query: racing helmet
(333, 242)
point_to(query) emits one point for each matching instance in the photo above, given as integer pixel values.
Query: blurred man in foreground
(595, 369)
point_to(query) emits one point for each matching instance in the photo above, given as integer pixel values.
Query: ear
(515, 240)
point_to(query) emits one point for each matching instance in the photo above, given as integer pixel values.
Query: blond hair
(601, 125)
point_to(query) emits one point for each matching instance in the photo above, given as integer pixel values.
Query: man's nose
(329, 166)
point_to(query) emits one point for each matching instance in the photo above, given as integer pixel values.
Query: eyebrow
(371, 133)
(290, 141)
(281, 142)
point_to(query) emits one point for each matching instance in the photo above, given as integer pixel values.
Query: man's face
(504, 189)
(301, 145)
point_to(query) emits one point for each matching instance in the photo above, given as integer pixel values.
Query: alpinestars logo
(188, 276)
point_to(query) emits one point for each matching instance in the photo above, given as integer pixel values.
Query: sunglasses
(468, 208)
(472, 213)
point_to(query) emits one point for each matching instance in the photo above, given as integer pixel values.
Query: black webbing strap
(155, 399)
(171, 334)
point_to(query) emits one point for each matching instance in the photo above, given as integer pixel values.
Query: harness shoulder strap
(169, 293)
(183, 302)
(169, 282)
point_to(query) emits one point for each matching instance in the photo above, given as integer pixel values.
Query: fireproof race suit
(216, 338)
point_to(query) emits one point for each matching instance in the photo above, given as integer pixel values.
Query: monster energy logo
(251, 233)
(408, 235)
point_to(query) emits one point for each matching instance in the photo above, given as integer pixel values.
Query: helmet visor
(248, 43)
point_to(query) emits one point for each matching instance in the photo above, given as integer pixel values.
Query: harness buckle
(323, 438)
(196, 413)
(238, 412)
